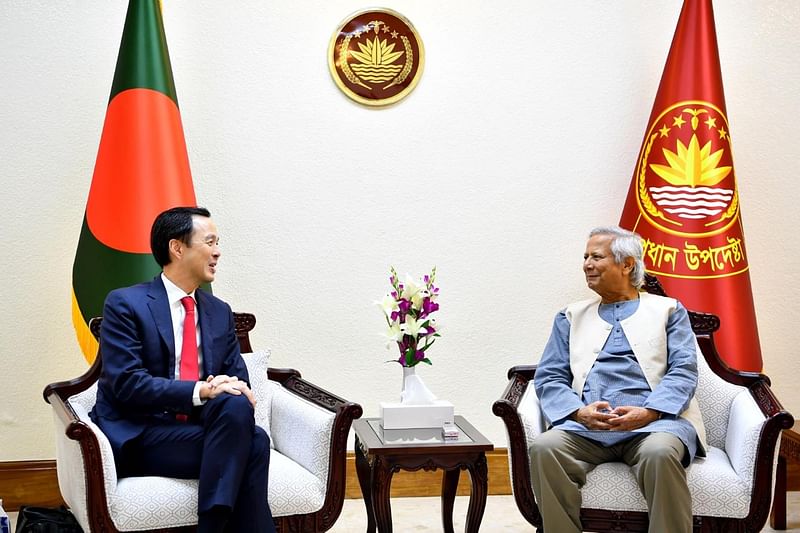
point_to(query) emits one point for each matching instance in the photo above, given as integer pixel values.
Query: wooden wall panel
(29, 483)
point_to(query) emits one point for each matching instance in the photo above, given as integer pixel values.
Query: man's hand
(596, 415)
(629, 418)
(216, 385)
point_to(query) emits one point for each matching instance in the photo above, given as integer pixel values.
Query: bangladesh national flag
(142, 169)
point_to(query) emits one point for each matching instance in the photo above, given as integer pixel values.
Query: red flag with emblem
(683, 199)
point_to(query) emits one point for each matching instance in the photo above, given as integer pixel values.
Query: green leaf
(409, 356)
(427, 345)
(426, 360)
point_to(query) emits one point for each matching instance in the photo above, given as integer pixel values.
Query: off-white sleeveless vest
(646, 331)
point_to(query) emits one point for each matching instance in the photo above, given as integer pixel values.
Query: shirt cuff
(196, 400)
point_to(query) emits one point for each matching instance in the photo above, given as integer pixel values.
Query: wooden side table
(788, 463)
(380, 453)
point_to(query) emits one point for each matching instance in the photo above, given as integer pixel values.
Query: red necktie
(189, 370)
(188, 348)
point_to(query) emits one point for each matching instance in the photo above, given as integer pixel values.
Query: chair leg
(777, 519)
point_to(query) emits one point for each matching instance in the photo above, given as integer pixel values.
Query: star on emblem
(722, 133)
(385, 29)
(678, 121)
(711, 122)
(664, 130)
(394, 35)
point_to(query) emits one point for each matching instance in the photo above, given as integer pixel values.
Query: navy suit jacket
(137, 387)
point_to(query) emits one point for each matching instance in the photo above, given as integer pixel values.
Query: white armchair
(731, 488)
(308, 430)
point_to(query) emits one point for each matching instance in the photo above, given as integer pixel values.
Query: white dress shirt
(178, 314)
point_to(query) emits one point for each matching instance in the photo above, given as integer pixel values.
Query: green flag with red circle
(142, 169)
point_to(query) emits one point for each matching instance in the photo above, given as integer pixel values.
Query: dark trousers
(225, 450)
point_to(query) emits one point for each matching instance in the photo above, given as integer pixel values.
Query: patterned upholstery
(720, 484)
(262, 388)
(298, 462)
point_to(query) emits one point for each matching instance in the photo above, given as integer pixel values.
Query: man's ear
(629, 263)
(176, 248)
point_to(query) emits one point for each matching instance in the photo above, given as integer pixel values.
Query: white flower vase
(414, 390)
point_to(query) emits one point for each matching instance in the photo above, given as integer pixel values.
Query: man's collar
(174, 293)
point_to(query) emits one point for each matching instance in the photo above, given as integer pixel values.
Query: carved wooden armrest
(507, 409)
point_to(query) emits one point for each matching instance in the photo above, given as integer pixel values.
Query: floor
(422, 515)
(501, 515)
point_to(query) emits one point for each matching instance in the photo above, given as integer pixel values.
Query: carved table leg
(449, 486)
(479, 472)
(381, 485)
(777, 520)
(363, 471)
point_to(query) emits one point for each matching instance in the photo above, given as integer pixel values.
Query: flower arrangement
(408, 308)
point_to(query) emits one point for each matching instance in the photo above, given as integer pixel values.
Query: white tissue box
(399, 416)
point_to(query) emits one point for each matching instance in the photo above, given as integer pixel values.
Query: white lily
(393, 335)
(414, 293)
(410, 288)
(388, 304)
(413, 327)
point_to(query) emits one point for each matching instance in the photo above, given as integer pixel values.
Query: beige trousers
(560, 461)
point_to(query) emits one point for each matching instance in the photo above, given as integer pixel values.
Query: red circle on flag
(142, 169)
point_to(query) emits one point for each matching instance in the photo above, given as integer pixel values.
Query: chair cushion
(292, 488)
(151, 502)
(716, 489)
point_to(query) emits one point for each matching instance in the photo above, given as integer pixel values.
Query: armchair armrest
(507, 408)
(301, 430)
(87, 475)
(745, 422)
(320, 405)
(757, 402)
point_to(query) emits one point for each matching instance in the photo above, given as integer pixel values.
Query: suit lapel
(159, 309)
(206, 337)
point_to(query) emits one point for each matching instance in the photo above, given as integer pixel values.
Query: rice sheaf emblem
(685, 179)
(376, 57)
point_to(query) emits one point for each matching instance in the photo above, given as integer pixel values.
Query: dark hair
(175, 223)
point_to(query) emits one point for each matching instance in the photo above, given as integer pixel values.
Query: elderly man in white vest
(616, 382)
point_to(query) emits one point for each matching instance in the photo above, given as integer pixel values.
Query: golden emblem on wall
(376, 57)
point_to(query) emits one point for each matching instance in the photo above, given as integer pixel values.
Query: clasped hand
(600, 415)
(216, 385)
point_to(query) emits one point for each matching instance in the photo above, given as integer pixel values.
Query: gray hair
(625, 244)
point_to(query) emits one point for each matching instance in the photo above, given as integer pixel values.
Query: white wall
(521, 135)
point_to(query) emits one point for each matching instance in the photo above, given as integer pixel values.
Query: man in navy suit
(161, 424)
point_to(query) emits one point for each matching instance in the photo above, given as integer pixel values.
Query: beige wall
(522, 134)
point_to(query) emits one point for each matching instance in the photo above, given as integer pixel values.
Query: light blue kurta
(617, 378)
